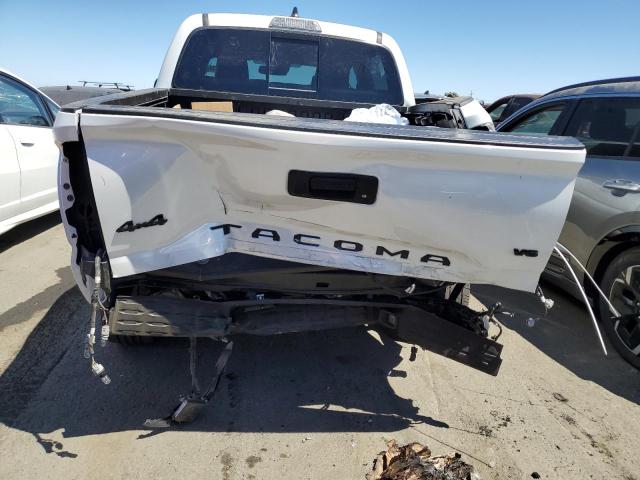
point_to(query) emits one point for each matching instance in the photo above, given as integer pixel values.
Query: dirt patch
(252, 461)
(503, 420)
(560, 397)
(227, 466)
(599, 446)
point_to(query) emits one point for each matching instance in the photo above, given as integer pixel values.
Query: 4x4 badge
(130, 226)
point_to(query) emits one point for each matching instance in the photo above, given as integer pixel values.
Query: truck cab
(280, 59)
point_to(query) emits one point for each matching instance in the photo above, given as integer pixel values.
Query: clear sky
(492, 48)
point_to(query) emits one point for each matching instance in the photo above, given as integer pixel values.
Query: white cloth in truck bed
(382, 113)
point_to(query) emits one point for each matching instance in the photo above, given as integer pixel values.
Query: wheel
(621, 283)
(130, 340)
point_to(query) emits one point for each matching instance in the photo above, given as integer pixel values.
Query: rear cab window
(224, 60)
(276, 63)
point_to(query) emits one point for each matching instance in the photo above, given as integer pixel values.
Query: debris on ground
(560, 397)
(414, 462)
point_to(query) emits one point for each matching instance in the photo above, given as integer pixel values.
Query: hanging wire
(611, 307)
(584, 295)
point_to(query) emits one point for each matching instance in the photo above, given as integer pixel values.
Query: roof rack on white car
(119, 85)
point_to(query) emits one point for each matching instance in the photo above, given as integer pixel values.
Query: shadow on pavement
(286, 383)
(23, 311)
(333, 381)
(566, 335)
(27, 230)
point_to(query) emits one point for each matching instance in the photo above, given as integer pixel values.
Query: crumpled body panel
(172, 191)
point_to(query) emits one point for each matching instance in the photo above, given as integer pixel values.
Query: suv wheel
(621, 283)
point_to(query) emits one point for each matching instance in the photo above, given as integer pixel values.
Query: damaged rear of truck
(199, 209)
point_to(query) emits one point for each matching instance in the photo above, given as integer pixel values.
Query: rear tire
(621, 284)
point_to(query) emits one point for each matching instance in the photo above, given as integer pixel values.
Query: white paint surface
(471, 203)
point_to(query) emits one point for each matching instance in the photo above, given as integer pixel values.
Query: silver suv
(603, 224)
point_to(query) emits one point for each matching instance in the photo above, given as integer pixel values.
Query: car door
(29, 123)
(9, 175)
(607, 193)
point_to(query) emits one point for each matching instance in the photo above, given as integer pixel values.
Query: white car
(28, 154)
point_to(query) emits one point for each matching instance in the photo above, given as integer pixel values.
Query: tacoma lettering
(343, 245)
(298, 239)
(436, 259)
(348, 246)
(263, 232)
(226, 227)
(404, 254)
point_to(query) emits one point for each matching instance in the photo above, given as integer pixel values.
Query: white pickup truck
(202, 214)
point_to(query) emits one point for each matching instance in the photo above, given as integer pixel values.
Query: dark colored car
(504, 107)
(603, 224)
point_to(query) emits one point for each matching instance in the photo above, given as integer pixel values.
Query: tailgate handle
(340, 187)
(319, 184)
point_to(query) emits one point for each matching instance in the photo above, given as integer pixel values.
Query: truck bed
(153, 103)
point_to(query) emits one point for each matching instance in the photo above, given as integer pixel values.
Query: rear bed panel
(455, 204)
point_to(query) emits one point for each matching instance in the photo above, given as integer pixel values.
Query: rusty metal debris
(414, 462)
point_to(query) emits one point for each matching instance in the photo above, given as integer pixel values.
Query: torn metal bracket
(443, 337)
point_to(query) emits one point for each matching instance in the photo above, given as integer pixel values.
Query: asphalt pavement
(317, 405)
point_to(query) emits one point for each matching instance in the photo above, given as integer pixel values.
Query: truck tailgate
(173, 187)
